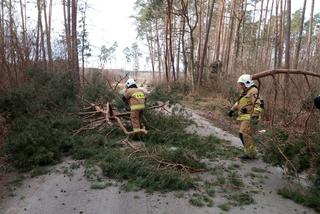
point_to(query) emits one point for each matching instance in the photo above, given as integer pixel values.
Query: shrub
(162, 94)
(41, 130)
(45, 92)
(309, 199)
(37, 141)
(97, 90)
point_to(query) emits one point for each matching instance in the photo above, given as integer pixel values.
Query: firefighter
(249, 107)
(317, 102)
(135, 99)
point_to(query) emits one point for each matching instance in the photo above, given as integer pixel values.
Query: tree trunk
(48, 31)
(258, 38)
(67, 21)
(199, 44)
(181, 29)
(158, 49)
(75, 61)
(310, 35)
(13, 49)
(296, 58)
(280, 53)
(183, 44)
(287, 56)
(166, 53)
(230, 38)
(287, 60)
(170, 39)
(151, 52)
(205, 45)
(217, 54)
(24, 31)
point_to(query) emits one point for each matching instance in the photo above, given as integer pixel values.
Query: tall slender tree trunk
(280, 53)
(296, 58)
(310, 35)
(24, 31)
(205, 45)
(67, 21)
(151, 52)
(287, 56)
(47, 21)
(170, 39)
(276, 41)
(13, 41)
(166, 53)
(199, 42)
(3, 59)
(219, 32)
(158, 49)
(181, 29)
(230, 38)
(75, 61)
(183, 44)
(258, 38)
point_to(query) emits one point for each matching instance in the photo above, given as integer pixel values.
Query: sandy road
(57, 193)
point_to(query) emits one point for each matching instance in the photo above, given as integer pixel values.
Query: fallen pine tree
(103, 116)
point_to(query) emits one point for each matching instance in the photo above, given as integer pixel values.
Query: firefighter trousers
(136, 117)
(246, 135)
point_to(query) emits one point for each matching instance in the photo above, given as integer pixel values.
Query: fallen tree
(96, 116)
(273, 72)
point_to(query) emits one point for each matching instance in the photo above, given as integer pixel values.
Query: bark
(280, 53)
(199, 42)
(170, 39)
(230, 38)
(166, 51)
(151, 52)
(158, 49)
(259, 36)
(217, 54)
(47, 21)
(205, 46)
(310, 36)
(75, 61)
(287, 56)
(185, 61)
(24, 31)
(296, 58)
(191, 29)
(181, 29)
(283, 71)
(13, 49)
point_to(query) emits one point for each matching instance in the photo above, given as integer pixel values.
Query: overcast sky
(109, 21)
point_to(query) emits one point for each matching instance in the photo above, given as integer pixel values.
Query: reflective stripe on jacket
(248, 104)
(135, 98)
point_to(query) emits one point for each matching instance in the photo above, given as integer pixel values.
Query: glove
(254, 120)
(244, 111)
(230, 113)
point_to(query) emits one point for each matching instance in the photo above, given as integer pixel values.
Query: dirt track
(57, 193)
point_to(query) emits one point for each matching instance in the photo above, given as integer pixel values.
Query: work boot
(247, 157)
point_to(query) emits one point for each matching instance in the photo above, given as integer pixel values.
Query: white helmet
(246, 80)
(130, 82)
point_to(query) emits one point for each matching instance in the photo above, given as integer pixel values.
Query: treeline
(25, 45)
(200, 38)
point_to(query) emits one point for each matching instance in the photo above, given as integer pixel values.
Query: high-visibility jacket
(248, 105)
(135, 98)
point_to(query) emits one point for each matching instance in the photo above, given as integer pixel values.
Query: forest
(63, 119)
